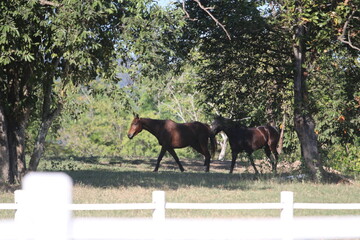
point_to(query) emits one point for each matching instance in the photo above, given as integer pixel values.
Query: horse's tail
(273, 134)
(213, 143)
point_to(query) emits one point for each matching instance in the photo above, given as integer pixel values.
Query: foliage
(95, 121)
(71, 55)
(95, 131)
(345, 157)
(332, 73)
(46, 45)
(149, 86)
(151, 45)
(335, 84)
(251, 75)
(235, 73)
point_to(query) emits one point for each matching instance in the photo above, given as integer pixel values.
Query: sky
(164, 2)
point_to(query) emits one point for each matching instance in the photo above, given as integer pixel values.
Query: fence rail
(43, 211)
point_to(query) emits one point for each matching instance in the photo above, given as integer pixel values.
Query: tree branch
(341, 38)
(186, 13)
(206, 9)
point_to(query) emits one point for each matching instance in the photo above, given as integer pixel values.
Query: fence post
(287, 200)
(287, 214)
(43, 211)
(18, 199)
(158, 198)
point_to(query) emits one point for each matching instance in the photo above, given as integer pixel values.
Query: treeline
(73, 73)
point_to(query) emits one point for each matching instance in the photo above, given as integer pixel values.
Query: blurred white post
(18, 199)
(287, 214)
(287, 200)
(158, 198)
(43, 211)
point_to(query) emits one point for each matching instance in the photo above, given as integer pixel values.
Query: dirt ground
(241, 166)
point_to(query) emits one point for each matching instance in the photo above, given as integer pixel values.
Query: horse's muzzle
(130, 135)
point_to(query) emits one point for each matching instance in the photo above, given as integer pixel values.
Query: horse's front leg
(173, 153)
(161, 155)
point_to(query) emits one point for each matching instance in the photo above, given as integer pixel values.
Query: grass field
(132, 181)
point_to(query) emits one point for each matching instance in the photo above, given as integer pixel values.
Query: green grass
(132, 181)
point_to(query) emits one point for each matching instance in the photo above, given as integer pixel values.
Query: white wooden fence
(44, 211)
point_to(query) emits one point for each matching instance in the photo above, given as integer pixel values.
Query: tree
(310, 23)
(45, 46)
(234, 73)
(270, 49)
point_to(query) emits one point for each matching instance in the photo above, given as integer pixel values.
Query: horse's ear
(136, 115)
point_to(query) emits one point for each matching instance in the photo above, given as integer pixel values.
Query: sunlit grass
(132, 181)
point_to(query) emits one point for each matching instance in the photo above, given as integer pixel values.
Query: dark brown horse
(175, 135)
(248, 140)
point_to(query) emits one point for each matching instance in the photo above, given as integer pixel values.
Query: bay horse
(173, 135)
(248, 139)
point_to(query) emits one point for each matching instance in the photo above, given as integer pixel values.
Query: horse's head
(218, 124)
(135, 127)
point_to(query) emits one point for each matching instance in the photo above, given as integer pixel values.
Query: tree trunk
(47, 118)
(16, 149)
(303, 121)
(280, 145)
(15, 104)
(4, 153)
(39, 147)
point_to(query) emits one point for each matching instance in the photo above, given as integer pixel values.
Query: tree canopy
(84, 66)
(45, 46)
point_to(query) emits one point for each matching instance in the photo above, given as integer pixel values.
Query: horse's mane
(230, 123)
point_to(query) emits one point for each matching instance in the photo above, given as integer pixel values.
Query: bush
(345, 158)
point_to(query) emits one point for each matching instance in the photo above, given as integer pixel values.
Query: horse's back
(198, 125)
(179, 135)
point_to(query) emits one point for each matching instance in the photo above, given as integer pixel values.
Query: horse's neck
(152, 125)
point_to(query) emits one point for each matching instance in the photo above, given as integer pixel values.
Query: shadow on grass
(161, 180)
(136, 172)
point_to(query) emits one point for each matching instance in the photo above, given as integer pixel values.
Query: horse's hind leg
(161, 155)
(207, 161)
(173, 153)
(204, 151)
(274, 160)
(253, 164)
(233, 160)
